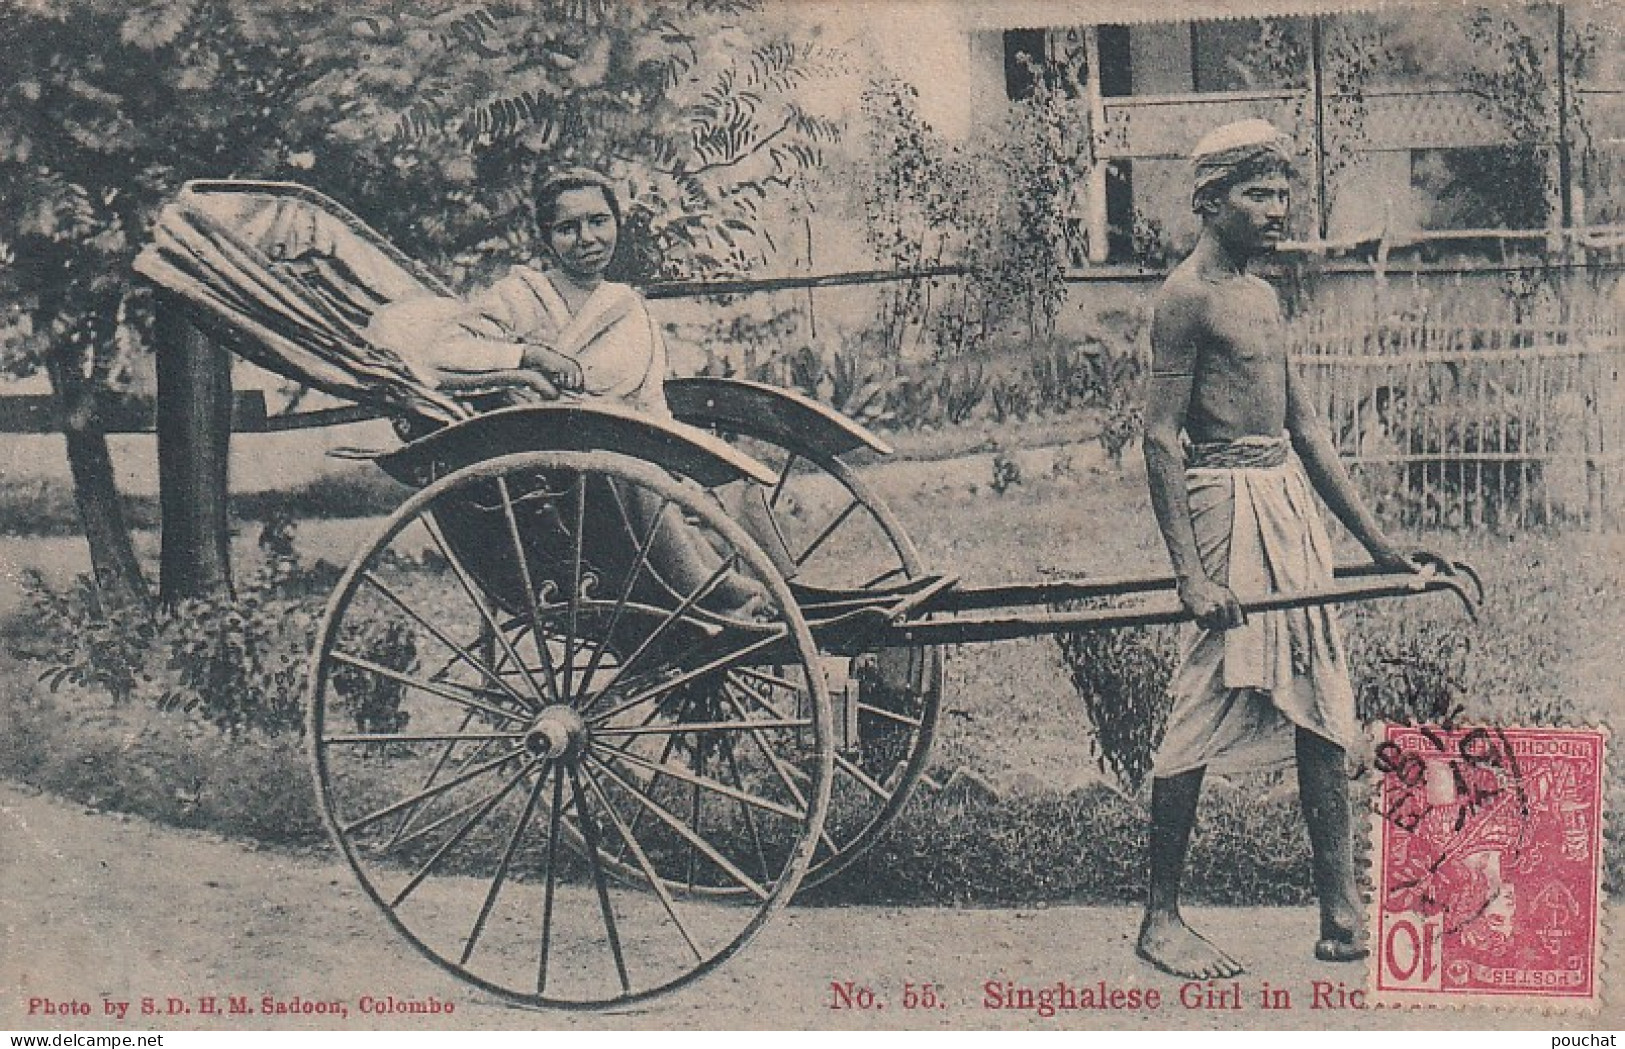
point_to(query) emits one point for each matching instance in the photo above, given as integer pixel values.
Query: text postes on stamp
(1488, 858)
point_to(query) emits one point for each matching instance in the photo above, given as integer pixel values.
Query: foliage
(430, 120)
(999, 205)
(1124, 424)
(693, 105)
(1418, 676)
(88, 647)
(174, 770)
(1006, 473)
(1507, 58)
(1011, 398)
(1121, 678)
(237, 661)
(104, 109)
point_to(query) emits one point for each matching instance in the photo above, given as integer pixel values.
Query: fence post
(194, 440)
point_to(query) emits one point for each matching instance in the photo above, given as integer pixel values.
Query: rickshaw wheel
(564, 771)
(842, 537)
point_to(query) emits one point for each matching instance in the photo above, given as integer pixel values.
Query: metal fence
(1491, 421)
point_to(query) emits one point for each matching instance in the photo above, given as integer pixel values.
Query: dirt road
(99, 908)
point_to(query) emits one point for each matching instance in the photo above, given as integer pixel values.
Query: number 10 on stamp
(1489, 860)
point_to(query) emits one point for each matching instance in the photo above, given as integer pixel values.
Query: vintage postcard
(803, 514)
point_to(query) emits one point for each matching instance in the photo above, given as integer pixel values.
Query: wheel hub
(557, 733)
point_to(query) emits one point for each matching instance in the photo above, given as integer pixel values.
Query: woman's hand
(564, 372)
(516, 380)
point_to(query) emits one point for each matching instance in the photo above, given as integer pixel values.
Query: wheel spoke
(704, 726)
(462, 653)
(434, 825)
(765, 678)
(695, 814)
(749, 813)
(575, 584)
(862, 777)
(778, 485)
(645, 545)
(429, 792)
(828, 531)
(433, 737)
(590, 833)
(687, 833)
(478, 600)
(698, 780)
(649, 874)
(501, 874)
(434, 773)
(665, 752)
(444, 691)
(554, 818)
(890, 715)
(526, 581)
(673, 616)
(777, 763)
(462, 832)
(686, 676)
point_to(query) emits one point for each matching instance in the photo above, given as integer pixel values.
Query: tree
(104, 108)
(454, 107)
(428, 120)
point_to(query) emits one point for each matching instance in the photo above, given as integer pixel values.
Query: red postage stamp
(1489, 845)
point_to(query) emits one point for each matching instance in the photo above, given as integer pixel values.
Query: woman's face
(583, 232)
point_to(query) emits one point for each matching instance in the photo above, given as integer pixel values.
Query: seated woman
(565, 324)
(563, 331)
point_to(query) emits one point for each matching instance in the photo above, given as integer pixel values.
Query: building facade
(1426, 126)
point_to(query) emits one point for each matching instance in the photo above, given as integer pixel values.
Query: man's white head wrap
(1234, 153)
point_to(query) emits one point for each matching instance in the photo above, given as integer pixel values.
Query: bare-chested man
(1232, 449)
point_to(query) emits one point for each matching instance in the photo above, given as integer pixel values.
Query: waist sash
(1243, 453)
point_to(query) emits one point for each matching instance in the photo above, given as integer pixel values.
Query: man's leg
(1323, 785)
(1165, 940)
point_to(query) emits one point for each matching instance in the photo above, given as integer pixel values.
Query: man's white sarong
(1239, 694)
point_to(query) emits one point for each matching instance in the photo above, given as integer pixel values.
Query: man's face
(583, 232)
(1251, 215)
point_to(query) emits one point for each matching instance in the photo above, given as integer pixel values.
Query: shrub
(84, 646)
(1124, 424)
(1121, 677)
(960, 391)
(237, 661)
(1006, 473)
(1413, 675)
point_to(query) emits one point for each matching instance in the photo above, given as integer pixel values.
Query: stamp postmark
(1488, 852)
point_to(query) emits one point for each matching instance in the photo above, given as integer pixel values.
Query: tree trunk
(194, 442)
(119, 581)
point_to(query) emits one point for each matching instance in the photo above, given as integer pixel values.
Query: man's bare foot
(1346, 944)
(1174, 947)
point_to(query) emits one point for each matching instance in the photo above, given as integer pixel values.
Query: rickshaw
(562, 775)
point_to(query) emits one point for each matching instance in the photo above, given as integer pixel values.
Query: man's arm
(1176, 333)
(1325, 469)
